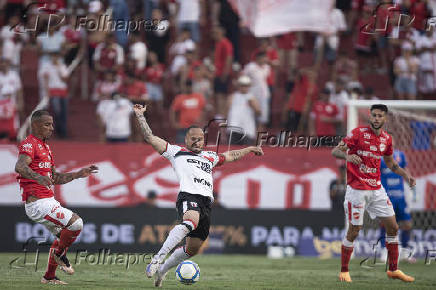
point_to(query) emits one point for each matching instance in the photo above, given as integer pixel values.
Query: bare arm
(340, 152)
(157, 143)
(22, 168)
(393, 165)
(234, 155)
(62, 178)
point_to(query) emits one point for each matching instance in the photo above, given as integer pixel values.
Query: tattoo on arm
(340, 151)
(395, 167)
(144, 127)
(22, 168)
(62, 178)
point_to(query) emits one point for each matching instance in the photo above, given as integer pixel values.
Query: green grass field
(222, 271)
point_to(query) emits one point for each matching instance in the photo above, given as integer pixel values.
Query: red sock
(392, 255)
(345, 257)
(51, 265)
(67, 238)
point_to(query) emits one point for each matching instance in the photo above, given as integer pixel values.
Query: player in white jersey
(193, 168)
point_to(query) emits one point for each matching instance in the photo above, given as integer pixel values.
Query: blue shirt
(392, 182)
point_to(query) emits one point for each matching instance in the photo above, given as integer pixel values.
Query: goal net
(413, 127)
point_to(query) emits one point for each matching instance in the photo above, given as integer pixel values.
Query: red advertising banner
(283, 178)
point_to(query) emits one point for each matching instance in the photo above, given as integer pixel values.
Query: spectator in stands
(406, 70)
(296, 112)
(324, 116)
(224, 15)
(178, 51)
(288, 45)
(51, 41)
(154, 77)
(223, 60)
(115, 115)
(120, 14)
(258, 71)
(338, 188)
(267, 46)
(346, 69)
(108, 55)
(364, 41)
(426, 52)
(138, 51)
(186, 110)
(243, 109)
(12, 79)
(55, 75)
(327, 43)
(151, 199)
(12, 42)
(110, 84)
(158, 36)
(9, 119)
(186, 71)
(96, 15)
(189, 14)
(202, 79)
(340, 97)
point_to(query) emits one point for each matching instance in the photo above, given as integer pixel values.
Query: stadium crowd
(195, 60)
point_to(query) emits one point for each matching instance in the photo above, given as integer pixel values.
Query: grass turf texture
(223, 271)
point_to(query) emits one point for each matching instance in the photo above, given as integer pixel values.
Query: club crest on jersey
(382, 147)
(366, 135)
(40, 146)
(27, 147)
(383, 139)
(356, 215)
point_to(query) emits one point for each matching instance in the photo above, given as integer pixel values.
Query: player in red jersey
(37, 175)
(363, 149)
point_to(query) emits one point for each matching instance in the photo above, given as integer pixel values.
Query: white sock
(176, 257)
(347, 243)
(176, 235)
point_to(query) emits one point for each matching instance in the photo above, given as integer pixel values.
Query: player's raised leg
(176, 235)
(191, 248)
(393, 272)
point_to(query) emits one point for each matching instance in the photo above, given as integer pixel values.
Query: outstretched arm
(393, 165)
(62, 178)
(234, 155)
(157, 143)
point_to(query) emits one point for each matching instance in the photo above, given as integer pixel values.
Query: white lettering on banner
(81, 193)
(123, 234)
(290, 236)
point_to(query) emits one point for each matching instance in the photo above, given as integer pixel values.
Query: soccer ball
(187, 272)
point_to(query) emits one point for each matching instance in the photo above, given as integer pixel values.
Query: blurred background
(298, 63)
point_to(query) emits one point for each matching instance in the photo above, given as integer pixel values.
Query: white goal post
(354, 105)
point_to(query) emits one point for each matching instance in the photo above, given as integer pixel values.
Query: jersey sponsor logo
(373, 148)
(393, 181)
(366, 135)
(382, 147)
(357, 206)
(202, 181)
(44, 165)
(356, 215)
(201, 165)
(370, 181)
(368, 154)
(382, 139)
(363, 129)
(60, 215)
(193, 204)
(27, 147)
(365, 169)
(55, 208)
(366, 142)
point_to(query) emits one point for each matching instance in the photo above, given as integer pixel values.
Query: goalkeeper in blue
(394, 186)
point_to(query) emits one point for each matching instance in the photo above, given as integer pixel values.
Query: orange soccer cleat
(345, 276)
(398, 274)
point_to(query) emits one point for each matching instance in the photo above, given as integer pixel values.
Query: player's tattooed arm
(393, 165)
(22, 168)
(62, 178)
(340, 152)
(157, 143)
(234, 155)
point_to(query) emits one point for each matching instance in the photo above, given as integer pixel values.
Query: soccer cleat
(345, 277)
(158, 279)
(398, 274)
(67, 269)
(154, 265)
(55, 281)
(63, 262)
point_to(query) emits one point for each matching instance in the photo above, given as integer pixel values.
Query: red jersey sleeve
(27, 148)
(389, 147)
(352, 138)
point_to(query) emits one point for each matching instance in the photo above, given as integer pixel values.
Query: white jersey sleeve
(171, 151)
(218, 159)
